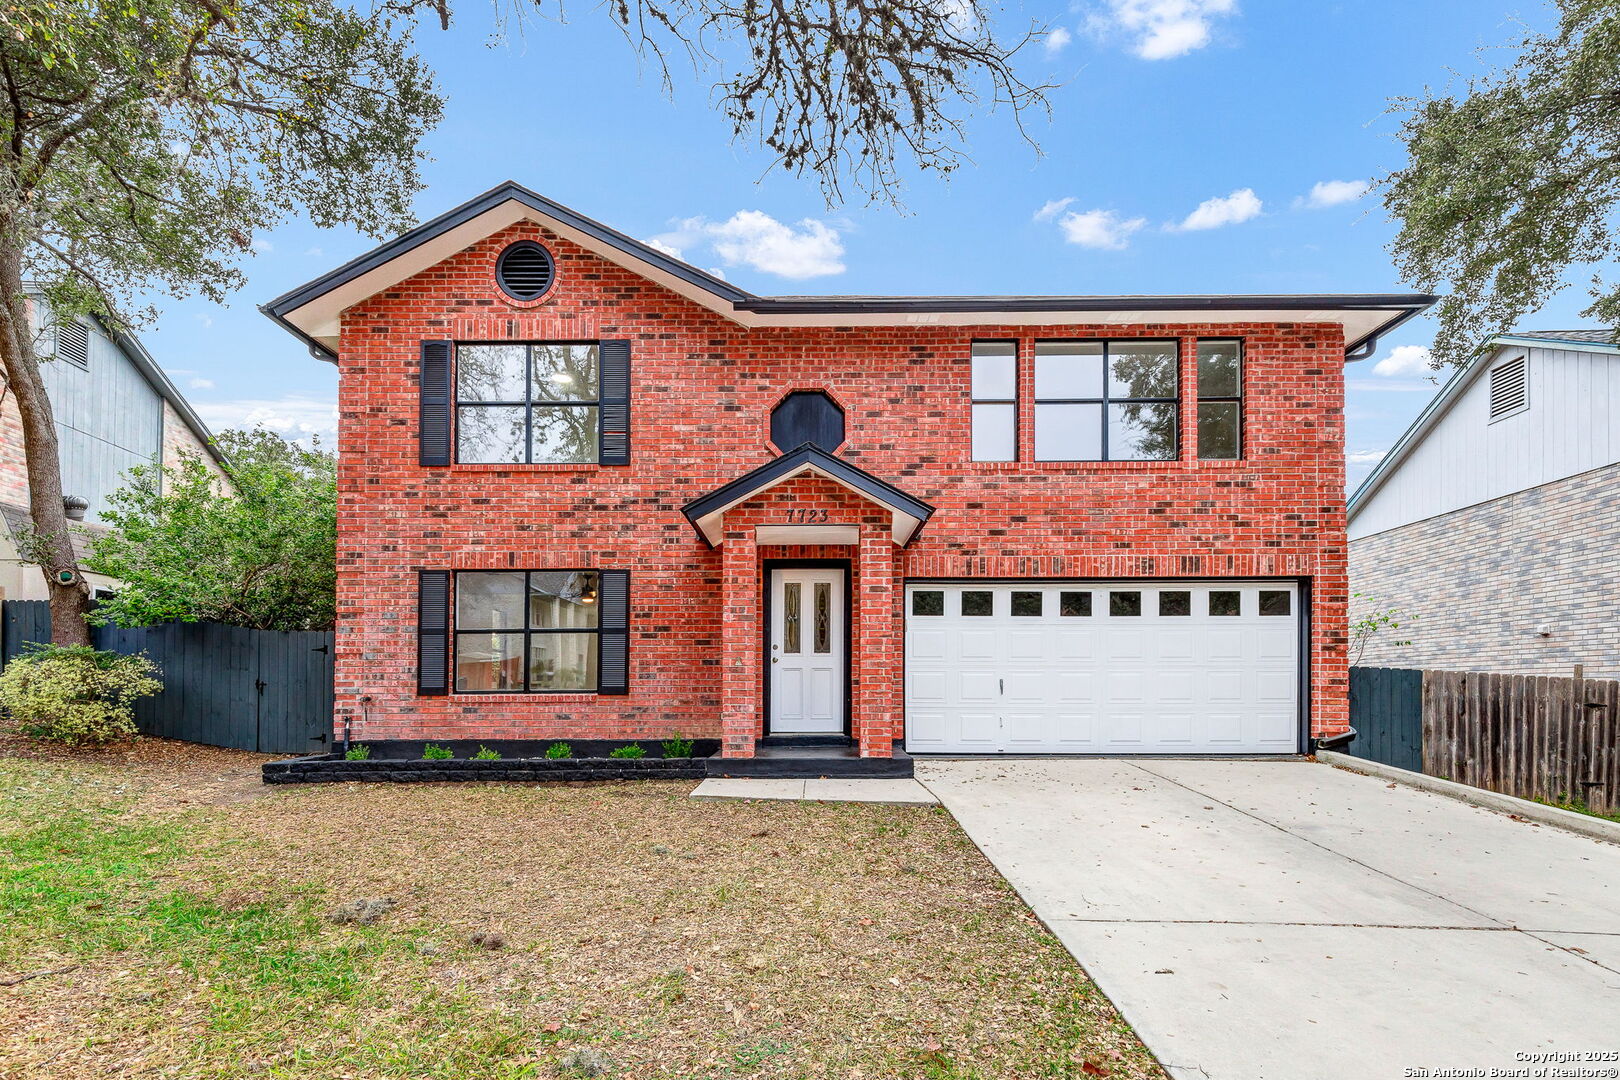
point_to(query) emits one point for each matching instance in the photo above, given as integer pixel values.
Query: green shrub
(485, 754)
(74, 694)
(678, 747)
(559, 750)
(357, 752)
(634, 750)
(434, 752)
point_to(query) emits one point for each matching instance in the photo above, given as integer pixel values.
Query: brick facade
(703, 391)
(1481, 580)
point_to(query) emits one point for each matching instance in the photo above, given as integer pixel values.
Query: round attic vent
(525, 270)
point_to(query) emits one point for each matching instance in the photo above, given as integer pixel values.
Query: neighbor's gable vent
(1509, 390)
(525, 270)
(73, 343)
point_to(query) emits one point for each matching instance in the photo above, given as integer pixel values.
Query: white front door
(807, 653)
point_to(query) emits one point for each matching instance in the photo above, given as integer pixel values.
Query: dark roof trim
(489, 200)
(820, 305)
(770, 473)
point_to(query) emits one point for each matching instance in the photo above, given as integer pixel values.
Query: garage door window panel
(1124, 604)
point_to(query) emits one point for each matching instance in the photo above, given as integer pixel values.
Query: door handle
(774, 659)
(1001, 686)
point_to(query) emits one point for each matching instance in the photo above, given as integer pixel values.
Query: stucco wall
(1482, 580)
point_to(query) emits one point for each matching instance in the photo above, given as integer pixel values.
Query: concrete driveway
(1292, 921)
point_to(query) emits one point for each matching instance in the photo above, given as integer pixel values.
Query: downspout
(1334, 742)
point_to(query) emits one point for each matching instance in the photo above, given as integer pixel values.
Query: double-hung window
(1106, 400)
(519, 631)
(995, 400)
(1220, 398)
(521, 404)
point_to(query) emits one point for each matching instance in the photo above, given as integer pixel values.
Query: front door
(807, 654)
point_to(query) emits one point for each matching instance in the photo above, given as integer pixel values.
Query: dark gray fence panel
(295, 690)
(22, 621)
(261, 690)
(1386, 709)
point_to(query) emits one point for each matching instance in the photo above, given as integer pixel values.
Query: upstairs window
(1106, 400)
(526, 404)
(1220, 399)
(995, 400)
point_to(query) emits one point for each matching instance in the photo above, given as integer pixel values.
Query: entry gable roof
(311, 311)
(707, 512)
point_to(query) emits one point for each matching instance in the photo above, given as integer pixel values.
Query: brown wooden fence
(1533, 736)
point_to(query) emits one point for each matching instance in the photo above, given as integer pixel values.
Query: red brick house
(589, 491)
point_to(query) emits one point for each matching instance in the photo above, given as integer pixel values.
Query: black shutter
(614, 604)
(433, 419)
(433, 632)
(614, 358)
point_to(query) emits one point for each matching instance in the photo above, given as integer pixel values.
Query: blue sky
(1186, 141)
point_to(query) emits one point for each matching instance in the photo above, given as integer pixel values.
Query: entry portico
(812, 633)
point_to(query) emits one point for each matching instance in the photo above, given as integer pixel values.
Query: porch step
(808, 763)
(805, 740)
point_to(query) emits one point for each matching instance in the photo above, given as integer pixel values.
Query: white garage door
(1103, 668)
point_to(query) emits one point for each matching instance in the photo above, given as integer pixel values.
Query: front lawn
(169, 917)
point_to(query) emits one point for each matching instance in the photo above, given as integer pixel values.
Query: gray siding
(108, 419)
(1571, 427)
(1482, 579)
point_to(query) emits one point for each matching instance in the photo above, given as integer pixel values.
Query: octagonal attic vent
(525, 270)
(807, 416)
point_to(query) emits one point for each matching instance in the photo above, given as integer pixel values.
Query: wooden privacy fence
(1534, 736)
(264, 690)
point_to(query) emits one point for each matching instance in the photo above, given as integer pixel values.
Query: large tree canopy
(1515, 181)
(185, 548)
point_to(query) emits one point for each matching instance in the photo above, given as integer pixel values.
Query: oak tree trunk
(53, 547)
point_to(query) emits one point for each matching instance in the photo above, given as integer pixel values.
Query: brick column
(877, 661)
(739, 644)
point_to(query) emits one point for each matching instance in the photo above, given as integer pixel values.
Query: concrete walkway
(872, 789)
(1292, 921)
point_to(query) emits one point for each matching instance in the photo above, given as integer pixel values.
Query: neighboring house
(589, 491)
(1495, 520)
(114, 409)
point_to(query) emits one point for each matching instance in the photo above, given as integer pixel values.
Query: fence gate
(263, 690)
(1386, 709)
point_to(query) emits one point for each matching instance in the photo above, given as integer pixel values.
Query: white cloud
(294, 416)
(1365, 457)
(263, 246)
(663, 245)
(1162, 29)
(1327, 193)
(201, 384)
(1052, 208)
(1099, 229)
(315, 252)
(753, 238)
(1057, 40)
(204, 318)
(1404, 360)
(1232, 209)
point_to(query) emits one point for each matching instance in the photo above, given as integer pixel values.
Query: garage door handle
(1001, 686)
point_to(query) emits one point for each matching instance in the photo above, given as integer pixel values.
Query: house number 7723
(803, 515)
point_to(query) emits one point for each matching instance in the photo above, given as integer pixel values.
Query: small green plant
(559, 750)
(434, 752)
(678, 747)
(634, 750)
(485, 754)
(74, 694)
(357, 752)
(1375, 620)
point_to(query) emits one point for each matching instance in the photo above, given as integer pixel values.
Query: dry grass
(682, 938)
